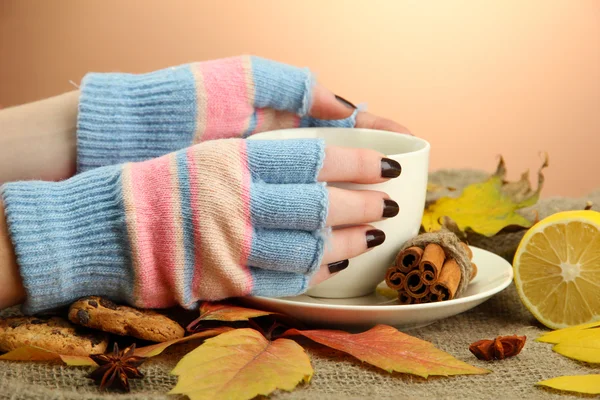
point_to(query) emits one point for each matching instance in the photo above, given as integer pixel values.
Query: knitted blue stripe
(277, 284)
(188, 228)
(127, 117)
(281, 86)
(285, 161)
(286, 250)
(292, 206)
(70, 238)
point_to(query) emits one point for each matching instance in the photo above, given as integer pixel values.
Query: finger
(286, 250)
(277, 283)
(350, 242)
(352, 207)
(369, 121)
(327, 106)
(357, 165)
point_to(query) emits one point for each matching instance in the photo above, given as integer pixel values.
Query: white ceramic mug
(366, 271)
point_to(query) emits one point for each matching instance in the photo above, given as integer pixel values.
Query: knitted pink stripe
(228, 102)
(156, 233)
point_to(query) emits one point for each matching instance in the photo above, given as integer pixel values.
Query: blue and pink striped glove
(128, 117)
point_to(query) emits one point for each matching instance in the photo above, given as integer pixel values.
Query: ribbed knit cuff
(70, 239)
(135, 117)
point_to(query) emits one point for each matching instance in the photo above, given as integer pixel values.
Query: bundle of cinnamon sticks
(426, 275)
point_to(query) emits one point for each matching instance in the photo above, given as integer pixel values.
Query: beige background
(476, 78)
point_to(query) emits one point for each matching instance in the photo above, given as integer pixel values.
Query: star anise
(498, 348)
(116, 369)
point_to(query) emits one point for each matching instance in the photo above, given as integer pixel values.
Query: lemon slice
(557, 269)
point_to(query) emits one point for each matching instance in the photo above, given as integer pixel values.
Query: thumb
(327, 106)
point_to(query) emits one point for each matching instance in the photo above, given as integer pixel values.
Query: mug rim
(425, 149)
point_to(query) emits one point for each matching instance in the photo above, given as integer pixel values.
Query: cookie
(55, 334)
(100, 313)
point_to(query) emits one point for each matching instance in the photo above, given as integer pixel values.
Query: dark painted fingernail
(345, 102)
(375, 237)
(338, 266)
(390, 208)
(390, 168)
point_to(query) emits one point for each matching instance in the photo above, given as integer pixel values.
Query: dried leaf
(156, 349)
(582, 346)
(78, 361)
(241, 364)
(391, 350)
(32, 353)
(226, 312)
(560, 335)
(486, 207)
(589, 384)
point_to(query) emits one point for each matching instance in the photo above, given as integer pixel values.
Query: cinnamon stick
(394, 278)
(448, 280)
(404, 298)
(432, 262)
(473, 271)
(433, 297)
(408, 259)
(414, 285)
(467, 249)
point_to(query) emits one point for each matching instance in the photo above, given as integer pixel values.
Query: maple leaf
(589, 384)
(241, 364)
(486, 207)
(389, 349)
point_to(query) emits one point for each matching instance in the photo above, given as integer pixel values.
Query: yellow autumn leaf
(589, 384)
(241, 364)
(584, 347)
(486, 207)
(560, 335)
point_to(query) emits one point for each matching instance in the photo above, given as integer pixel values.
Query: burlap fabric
(338, 376)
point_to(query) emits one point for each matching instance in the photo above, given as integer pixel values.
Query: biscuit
(54, 334)
(99, 313)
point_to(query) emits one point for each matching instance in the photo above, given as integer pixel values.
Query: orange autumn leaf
(389, 349)
(33, 353)
(156, 349)
(241, 364)
(225, 312)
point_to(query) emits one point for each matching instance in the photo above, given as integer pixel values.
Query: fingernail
(390, 168)
(345, 102)
(337, 266)
(375, 237)
(390, 208)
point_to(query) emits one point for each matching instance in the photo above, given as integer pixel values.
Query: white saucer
(494, 274)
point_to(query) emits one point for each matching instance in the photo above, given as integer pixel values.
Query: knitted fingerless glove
(219, 219)
(127, 117)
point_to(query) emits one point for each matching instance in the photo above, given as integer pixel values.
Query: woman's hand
(351, 207)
